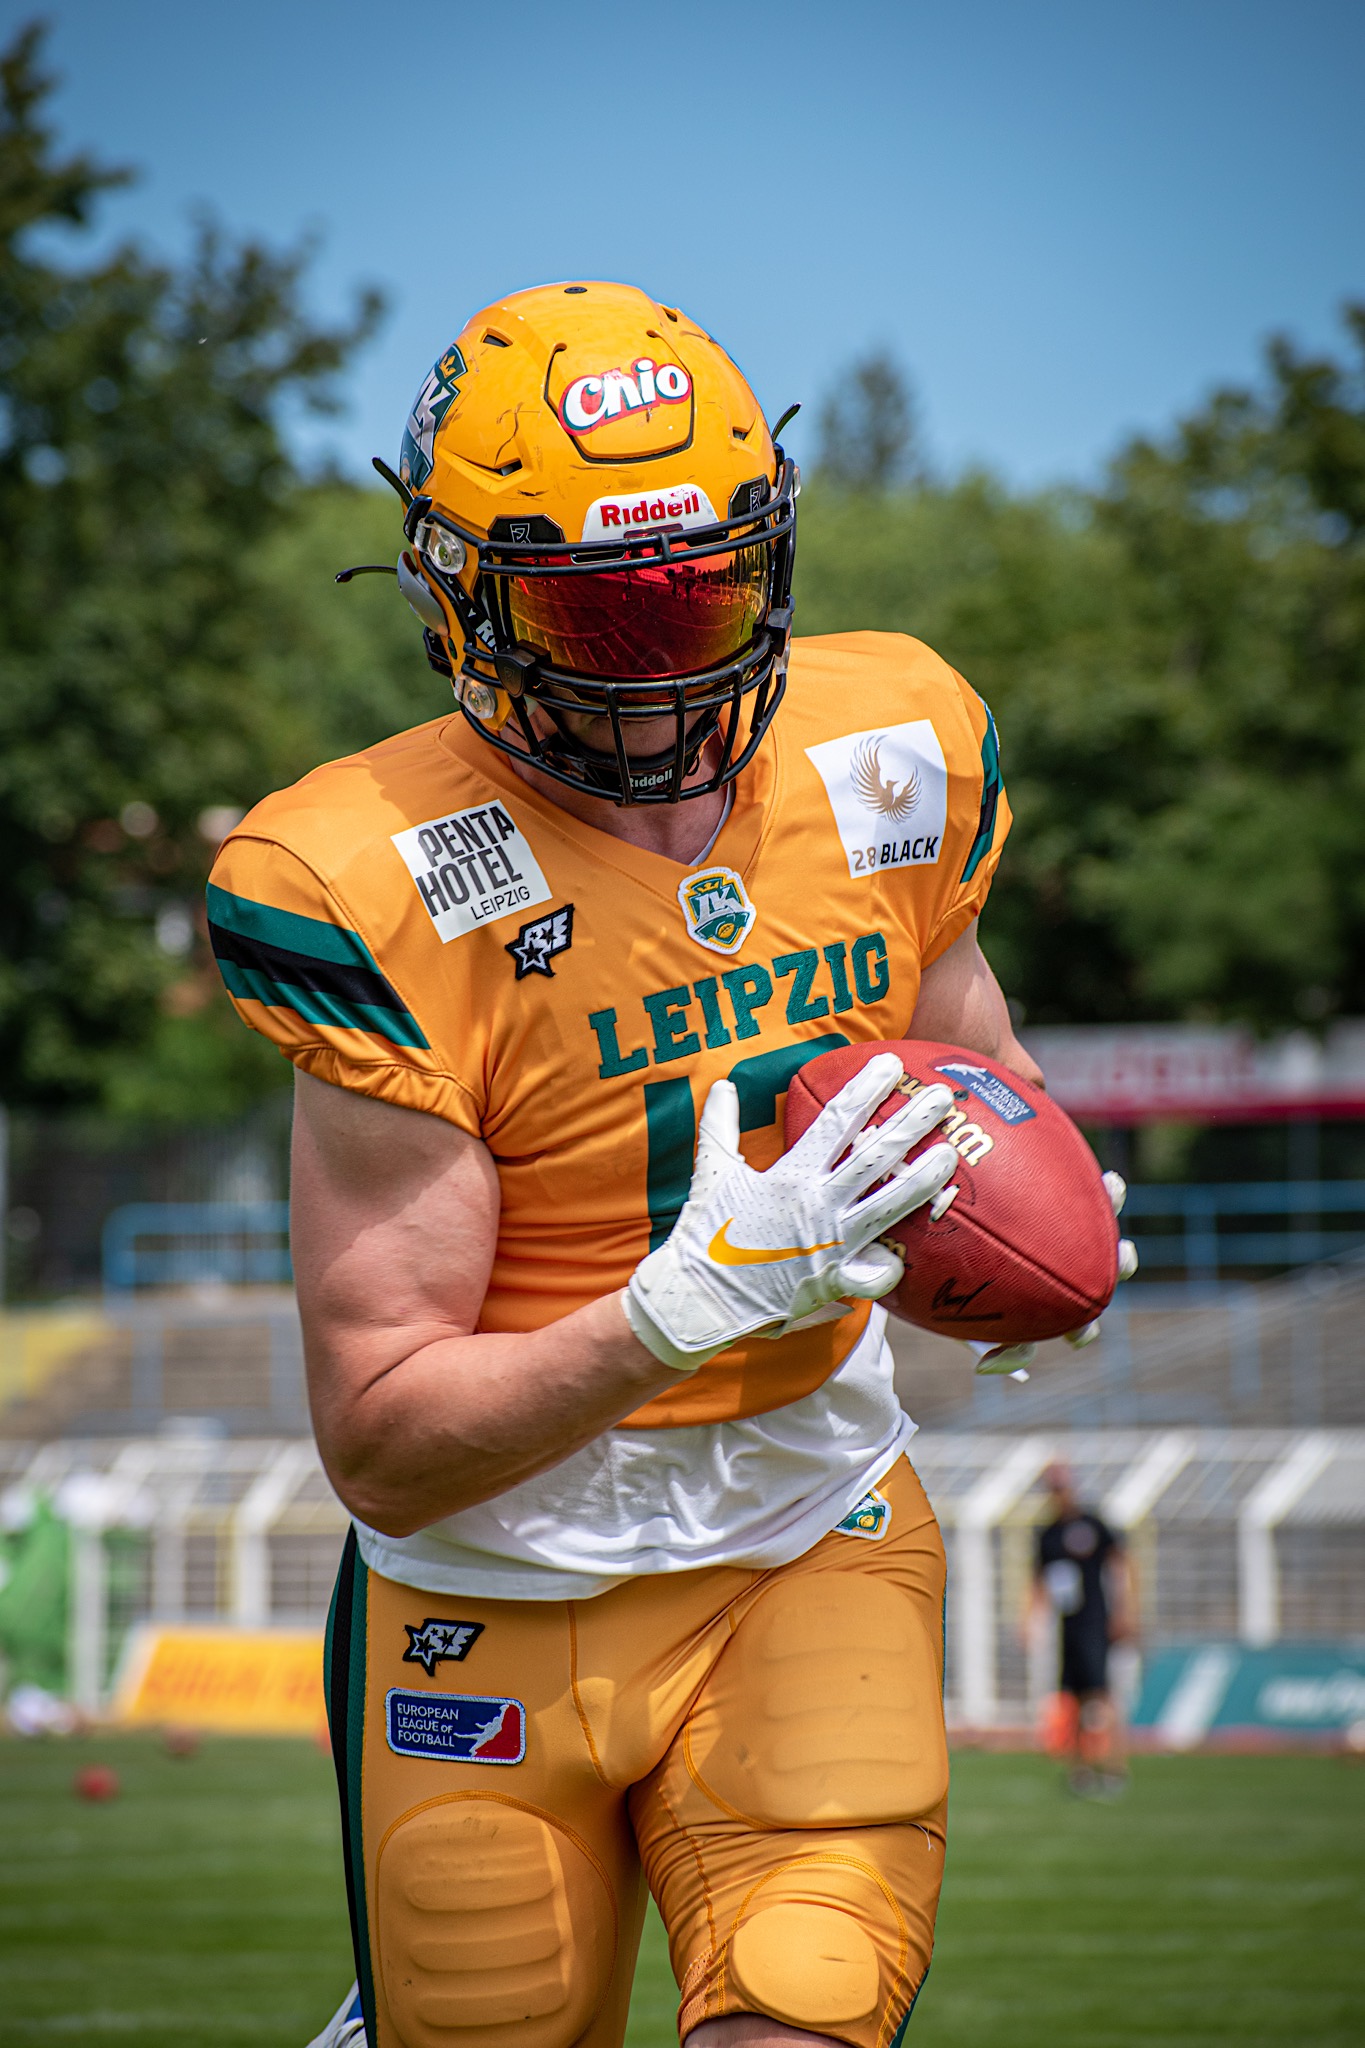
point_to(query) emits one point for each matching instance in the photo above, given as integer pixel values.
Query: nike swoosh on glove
(755, 1250)
(1016, 1358)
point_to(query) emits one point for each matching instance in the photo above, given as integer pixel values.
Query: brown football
(1029, 1246)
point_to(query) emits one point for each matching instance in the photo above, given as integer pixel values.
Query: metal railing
(1212, 1229)
(189, 1244)
(1214, 1225)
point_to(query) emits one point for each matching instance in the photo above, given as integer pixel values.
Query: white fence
(1253, 1535)
(1257, 1535)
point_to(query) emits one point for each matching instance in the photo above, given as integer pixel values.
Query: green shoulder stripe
(285, 928)
(320, 1006)
(990, 797)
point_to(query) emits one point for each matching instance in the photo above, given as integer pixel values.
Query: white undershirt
(755, 1494)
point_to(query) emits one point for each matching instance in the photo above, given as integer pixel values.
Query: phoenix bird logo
(875, 792)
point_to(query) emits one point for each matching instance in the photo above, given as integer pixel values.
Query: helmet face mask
(562, 650)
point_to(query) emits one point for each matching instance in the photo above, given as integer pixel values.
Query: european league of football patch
(455, 1727)
(870, 1519)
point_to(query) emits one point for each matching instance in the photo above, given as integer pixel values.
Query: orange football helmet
(599, 523)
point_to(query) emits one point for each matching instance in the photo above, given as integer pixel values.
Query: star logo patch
(440, 1642)
(537, 943)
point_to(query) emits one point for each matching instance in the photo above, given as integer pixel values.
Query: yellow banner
(226, 1680)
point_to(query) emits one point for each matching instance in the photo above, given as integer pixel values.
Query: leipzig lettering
(588, 401)
(818, 983)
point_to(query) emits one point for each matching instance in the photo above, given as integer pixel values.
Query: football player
(642, 1589)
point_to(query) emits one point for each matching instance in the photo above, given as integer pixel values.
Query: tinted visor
(644, 620)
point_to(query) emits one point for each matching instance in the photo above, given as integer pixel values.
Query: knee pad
(811, 1966)
(493, 1929)
(824, 1710)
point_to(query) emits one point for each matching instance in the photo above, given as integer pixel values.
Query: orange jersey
(416, 923)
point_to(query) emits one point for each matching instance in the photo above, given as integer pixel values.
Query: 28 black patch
(440, 1642)
(537, 943)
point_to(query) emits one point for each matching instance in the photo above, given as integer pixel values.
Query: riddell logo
(590, 400)
(684, 505)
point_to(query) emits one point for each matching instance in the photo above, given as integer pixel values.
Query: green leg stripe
(898, 2038)
(345, 1682)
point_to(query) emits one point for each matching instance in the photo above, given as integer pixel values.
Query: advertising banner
(1135, 1073)
(1221, 1691)
(223, 1680)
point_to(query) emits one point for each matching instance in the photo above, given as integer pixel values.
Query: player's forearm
(961, 1003)
(464, 1418)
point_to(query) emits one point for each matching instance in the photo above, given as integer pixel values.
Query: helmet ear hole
(421, 597)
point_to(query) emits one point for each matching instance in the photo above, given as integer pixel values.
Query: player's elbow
(363, 1477)
(380, 1510)
(395, 1498)
(369, 1495)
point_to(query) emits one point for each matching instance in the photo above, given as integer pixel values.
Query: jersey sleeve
(980, 794)
(299, 970)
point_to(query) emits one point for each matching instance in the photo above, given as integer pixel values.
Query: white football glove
(1016, 1358)
(751, 1250)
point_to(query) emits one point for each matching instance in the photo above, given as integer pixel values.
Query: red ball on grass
(95, 1781)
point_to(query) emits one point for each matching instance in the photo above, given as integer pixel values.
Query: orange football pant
(764, 1748)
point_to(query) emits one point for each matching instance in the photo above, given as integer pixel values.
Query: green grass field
(1222, 1903)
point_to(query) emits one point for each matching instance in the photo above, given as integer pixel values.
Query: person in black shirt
(1083, 1576)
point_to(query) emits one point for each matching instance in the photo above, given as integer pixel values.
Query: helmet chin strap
(647, 771)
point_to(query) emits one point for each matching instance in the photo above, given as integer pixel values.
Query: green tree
(142, 477)
(1177, 666)
(1243, 891)
(867, 427)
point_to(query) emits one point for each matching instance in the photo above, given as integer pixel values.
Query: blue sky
(1069, 221)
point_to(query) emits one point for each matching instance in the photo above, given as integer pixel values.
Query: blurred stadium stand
(1283, 1353)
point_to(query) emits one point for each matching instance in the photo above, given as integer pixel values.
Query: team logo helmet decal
(417, 457)
(716, 909)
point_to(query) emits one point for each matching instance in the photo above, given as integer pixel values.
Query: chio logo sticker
(588, 401)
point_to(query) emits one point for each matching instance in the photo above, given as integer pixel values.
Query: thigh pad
(824, 1710)
(494, 1928)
